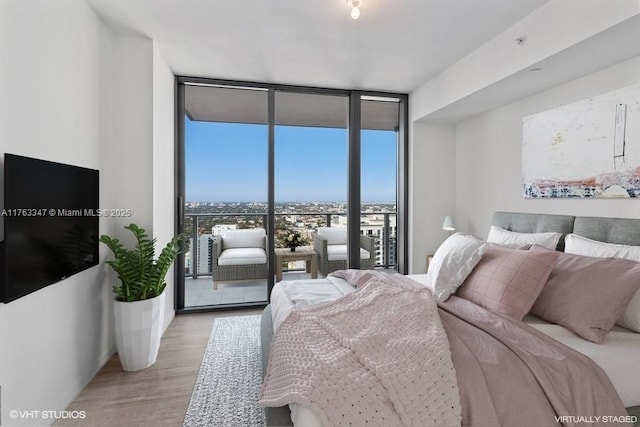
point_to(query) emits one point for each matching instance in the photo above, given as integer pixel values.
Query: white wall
(488, 156)
(144, 145)
(73, 92)
(432, 177)
(133, 134)
(163, 164)
(55, 83)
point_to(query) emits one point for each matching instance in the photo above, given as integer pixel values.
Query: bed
(617, 356)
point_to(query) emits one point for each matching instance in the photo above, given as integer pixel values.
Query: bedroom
(462, 160)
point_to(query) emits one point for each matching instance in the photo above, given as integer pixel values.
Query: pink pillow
(587, 295)
(508, 281)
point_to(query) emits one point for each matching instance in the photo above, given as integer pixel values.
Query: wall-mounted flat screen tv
(50, 227)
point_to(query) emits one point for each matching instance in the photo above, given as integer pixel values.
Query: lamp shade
(448, 224)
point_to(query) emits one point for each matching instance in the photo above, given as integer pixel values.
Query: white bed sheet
(618, 355)
(285, 294)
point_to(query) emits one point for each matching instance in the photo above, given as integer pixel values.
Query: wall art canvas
(589, 148)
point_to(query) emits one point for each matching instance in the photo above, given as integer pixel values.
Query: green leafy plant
(141, 275)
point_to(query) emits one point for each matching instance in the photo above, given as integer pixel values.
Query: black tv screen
(50, 226)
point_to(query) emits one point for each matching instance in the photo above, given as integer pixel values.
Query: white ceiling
(396, 45)
(600, 51)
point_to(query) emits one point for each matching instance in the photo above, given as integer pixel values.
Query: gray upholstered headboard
(623, 231)
(534, 223)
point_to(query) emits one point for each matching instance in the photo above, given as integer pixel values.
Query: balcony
(378, 225)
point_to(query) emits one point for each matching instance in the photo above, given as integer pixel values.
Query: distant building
(373, 227)
(217, 229)
(187, 261)
(205, 252)
(205, 259)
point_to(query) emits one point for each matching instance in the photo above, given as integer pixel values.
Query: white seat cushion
(251, 238)
(334, 235)
(242, 256)
(339, 253)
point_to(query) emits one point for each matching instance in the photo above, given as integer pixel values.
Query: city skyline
(227, 162)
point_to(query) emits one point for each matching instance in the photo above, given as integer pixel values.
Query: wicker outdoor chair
(239, 255)
(331, 245)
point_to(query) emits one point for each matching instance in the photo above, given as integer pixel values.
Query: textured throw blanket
(378, 356)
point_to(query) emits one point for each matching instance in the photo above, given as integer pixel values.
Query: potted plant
(139, 298)
(293, 240)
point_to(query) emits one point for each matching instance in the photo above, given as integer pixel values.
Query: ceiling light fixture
(355, 7)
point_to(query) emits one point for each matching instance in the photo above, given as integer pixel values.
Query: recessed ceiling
(395, 45)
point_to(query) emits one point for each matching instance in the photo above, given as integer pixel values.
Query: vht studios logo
(47, 415)
(42, 415)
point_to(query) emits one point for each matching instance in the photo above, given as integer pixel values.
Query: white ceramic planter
(138, 332)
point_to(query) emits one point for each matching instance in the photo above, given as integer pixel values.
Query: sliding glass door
(225, 194)
(379, 146)
(311, 140)
(280, 182)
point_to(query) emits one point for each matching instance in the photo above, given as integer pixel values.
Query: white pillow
(452, 263)
(575, 244)
(334, 235)
(579, 245)
(512, 239)
(249, 238)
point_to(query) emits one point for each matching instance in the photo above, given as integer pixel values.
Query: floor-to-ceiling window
(285, 160)
(311, 166)
(225, 188)
(379, 175)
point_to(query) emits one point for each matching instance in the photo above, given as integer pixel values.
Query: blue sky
(227, 162)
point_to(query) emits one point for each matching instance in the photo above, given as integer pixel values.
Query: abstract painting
(589, 148)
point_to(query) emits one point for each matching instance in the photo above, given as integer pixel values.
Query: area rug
(227, 386)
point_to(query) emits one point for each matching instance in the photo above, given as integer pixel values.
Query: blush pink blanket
(378, 357)
(508, 374)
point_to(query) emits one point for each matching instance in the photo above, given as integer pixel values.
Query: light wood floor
(158, 395)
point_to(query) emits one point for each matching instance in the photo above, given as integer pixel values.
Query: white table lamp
(448, 224)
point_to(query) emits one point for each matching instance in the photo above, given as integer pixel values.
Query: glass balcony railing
(379, 226)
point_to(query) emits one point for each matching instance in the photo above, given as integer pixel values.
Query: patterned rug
(227, 387)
